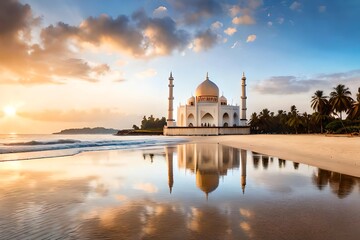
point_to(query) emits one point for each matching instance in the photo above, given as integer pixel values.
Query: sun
(9, 111)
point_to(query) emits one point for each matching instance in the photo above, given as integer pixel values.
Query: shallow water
(188, 191)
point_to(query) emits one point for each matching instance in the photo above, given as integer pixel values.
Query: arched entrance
(207, 120)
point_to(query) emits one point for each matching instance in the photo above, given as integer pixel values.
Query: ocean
(33, 146)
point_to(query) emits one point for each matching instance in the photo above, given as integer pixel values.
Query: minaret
(170, 120)
(243, 169)
(243, 121)
(169, 153)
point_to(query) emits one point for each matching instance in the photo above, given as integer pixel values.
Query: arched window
(191, 120)
(226, 119)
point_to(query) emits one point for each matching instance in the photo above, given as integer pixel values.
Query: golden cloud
(146, 187)
(245, 20)
(230, 31)
(251, 38)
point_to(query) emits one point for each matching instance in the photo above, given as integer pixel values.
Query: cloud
(281, 20)
(251, 38)
(160, 11)
(50, 61)
(246, 10)
(216, 25)
(230, 31)
(204, 40)
(270, 23)
(161, 36)
(196, 11)
(245, 20)
(146, 187)
(234, 10)
(350, 76)
(101, 69)
(147, 73)
(322, 9)
(284, 85)
(235, 44)
(55, 55)
(296, 6)
(254, 4)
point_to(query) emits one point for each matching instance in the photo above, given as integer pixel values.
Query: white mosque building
(206, 113)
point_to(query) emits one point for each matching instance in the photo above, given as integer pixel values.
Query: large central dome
(207, 88)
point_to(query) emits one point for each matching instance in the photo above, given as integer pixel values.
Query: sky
(89, 63)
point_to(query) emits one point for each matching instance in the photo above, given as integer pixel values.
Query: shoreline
(338, 154)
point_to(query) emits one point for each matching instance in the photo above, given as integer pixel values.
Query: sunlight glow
(9, 111)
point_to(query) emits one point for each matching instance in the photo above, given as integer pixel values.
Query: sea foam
(64, 147)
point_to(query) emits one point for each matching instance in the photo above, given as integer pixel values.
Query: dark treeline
(327, 115)
(151, 123)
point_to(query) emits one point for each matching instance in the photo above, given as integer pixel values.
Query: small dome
(191, 100)
(207, 88)
(223, 100)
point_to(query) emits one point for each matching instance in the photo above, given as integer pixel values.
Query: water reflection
(160, 193)
(341, 185)
(210, 162)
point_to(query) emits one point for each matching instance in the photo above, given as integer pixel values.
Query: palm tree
(320, 104)
(265, 120)
(294, 120)
(254, 122)
(319, 101)
(305, 120)
(354, 111)
(340, 99)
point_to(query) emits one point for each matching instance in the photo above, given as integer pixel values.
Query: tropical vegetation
(151, 123)
(327, 116)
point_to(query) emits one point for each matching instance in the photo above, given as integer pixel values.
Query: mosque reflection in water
(210, 162)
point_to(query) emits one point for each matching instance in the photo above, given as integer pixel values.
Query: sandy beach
(334, 153)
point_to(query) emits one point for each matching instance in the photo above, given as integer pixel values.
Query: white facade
(207, 109)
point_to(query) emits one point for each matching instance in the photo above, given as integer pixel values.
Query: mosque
(206, 113)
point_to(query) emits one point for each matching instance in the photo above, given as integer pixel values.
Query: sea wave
(65, 147)
(33, 143)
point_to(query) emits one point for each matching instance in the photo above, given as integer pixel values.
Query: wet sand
(334, 153)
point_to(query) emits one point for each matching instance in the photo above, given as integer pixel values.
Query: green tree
(254, 122)
(354, 111)
(340, 99)
(151, 123)
(265, 121)
(305, 120)
(294, 118)
(320, 104)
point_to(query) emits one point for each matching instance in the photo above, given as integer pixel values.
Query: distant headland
(87, 130)
(149, 126)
